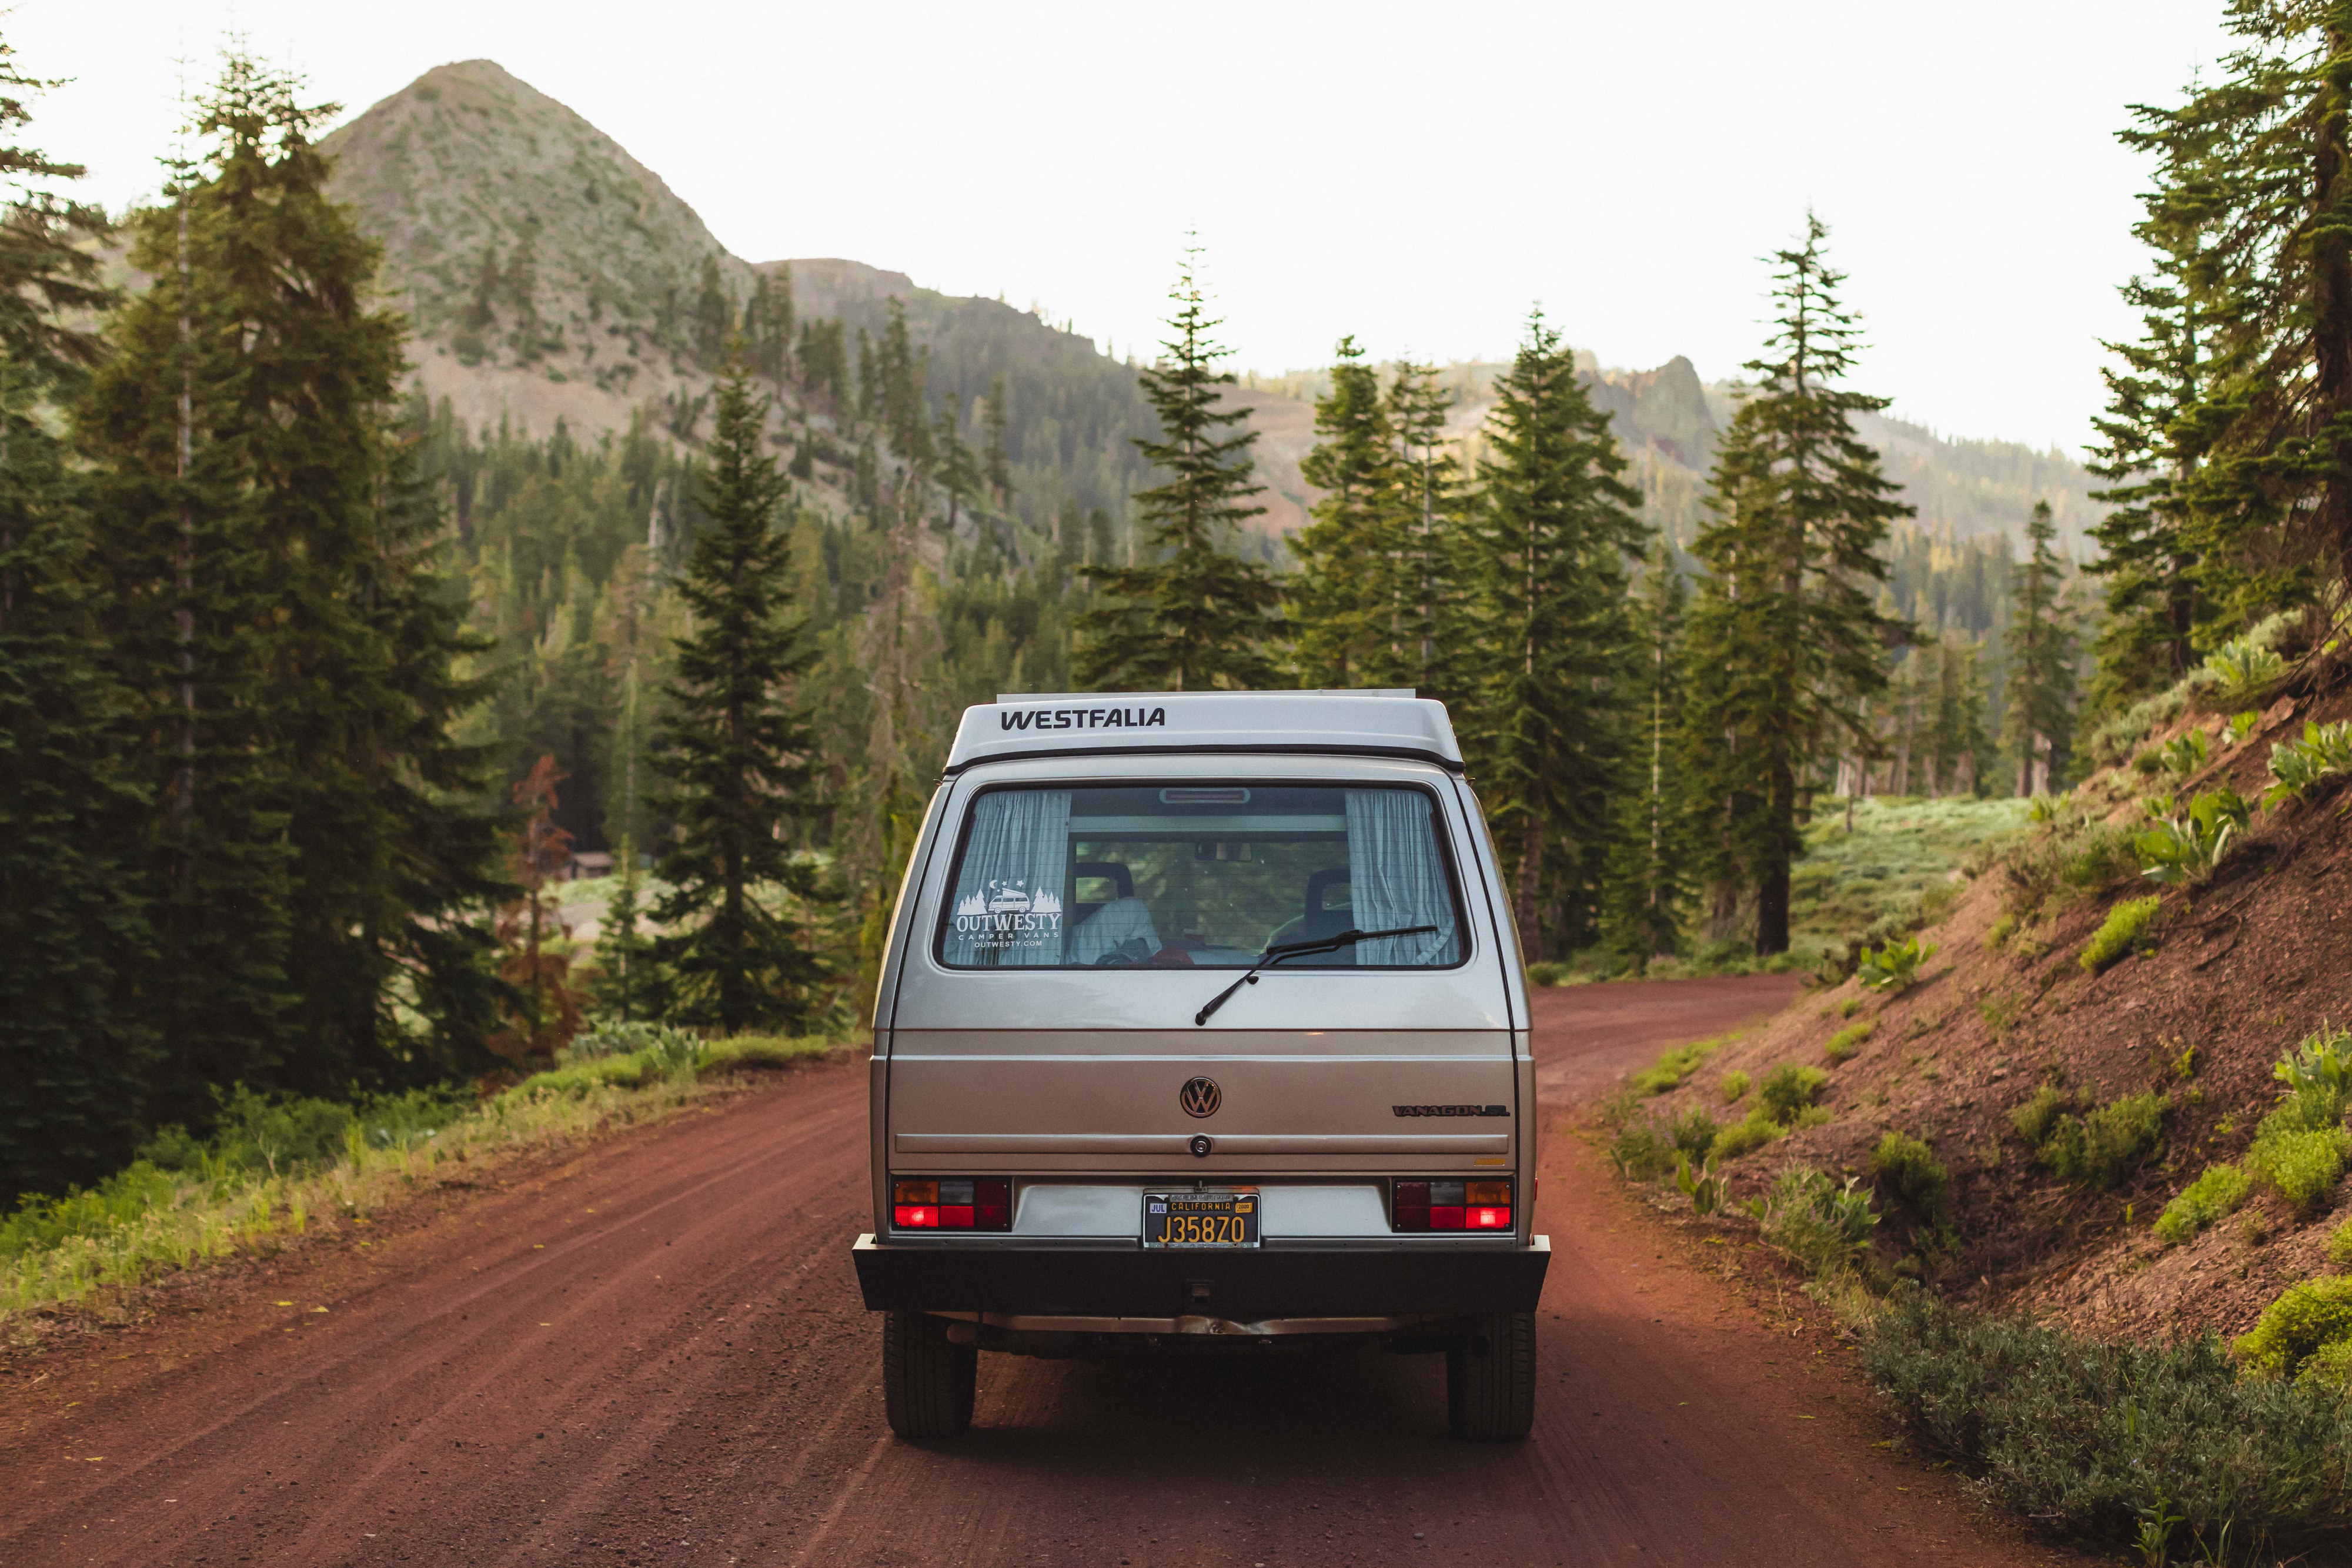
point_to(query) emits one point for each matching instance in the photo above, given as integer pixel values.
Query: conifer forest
(317, 688)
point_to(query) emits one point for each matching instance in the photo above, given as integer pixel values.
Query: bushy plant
(1894, 967)
(1677, 1065)
(1815, 1221)
(1924, 1183)
(2241, 725)
(1788, 1089)
(2184, 755)
(1547, 973)
(2190, 846)
(2092, 1440)
(2222, 1191)
(2304, 1318)
(2339, 1246)
(2095, 1148)
(2329, 1369)
(1847, 1040)
(2301, 767)
(2239, 672)
(2095, 860)
(2149, 763)
(1641, 1152)
(1996, 934)
(673, 1047)
(2128, 928)
(1734, 1086)
(2305, 1166)
(1747, 1135)
(1700, 1184)
(2300, 1147)
(1694, 1134)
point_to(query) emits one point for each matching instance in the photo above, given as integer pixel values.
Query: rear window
(1200, 877)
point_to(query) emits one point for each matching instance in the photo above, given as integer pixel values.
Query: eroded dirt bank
(655, 1354)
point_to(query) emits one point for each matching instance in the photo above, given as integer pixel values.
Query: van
(1202, 1027)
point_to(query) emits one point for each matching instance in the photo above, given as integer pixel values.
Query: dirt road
(656, 1354)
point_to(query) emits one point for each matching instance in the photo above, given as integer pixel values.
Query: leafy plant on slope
(1895, 966)
(2299, 767)
(2190, 846)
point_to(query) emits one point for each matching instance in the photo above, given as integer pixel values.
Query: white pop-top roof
(1374, 723)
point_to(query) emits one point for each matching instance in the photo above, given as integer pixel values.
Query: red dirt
(655, 1352)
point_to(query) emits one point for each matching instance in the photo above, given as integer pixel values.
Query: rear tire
(1490, 1379)
(926, 1383)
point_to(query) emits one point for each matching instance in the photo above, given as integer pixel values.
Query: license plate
(1199, 1221)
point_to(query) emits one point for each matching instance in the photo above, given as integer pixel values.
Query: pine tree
(735, 755)
(2040, 691)
(2147, 453)
(2253, 197)
(545, 1009)
(995, 418)
(1193, 615)
(273, 601)
(1341, 595)
(1551, 540)
(627, 986)
(1787, 641)
(960, 470)
(1429, 497)
(75, 1052)
(1647, 886)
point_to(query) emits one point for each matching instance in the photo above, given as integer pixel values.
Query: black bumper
(1244, 1286)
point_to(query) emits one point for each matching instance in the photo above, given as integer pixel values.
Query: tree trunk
(1531, 876)
(2331, 327)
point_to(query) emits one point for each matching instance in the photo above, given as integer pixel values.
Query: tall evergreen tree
(1432, 509)
(272, 593)
(2253, 197)
(2147, 453)
(995, 417)
(75, 1053)
(736, 755)
(1648, 883)
(1787, 641)
(1191, 615)
(1551, 541)
(2040, 690)
(1341, 596)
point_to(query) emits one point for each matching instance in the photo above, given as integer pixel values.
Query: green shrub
(1848, 1040)
(1546, 974)
(2097, 859)
(2035, 1118)
(2220, 1190)
(1894, 967)
(1734, 1086)
(2100, 1147)
(2305, 1166)
(758, 1051)
(2185, 753)
(2319, 1076)
(2148, 762)
(1848, 1008)
(1745, 1137)
(1788, 1089)
(2189, 846)
(1700, 1184)
(1918, 1177)
(1677, 1065)
(2241, 725)
(1694, 1134)
(2329, 1369)
(1820, 1224)
(2299, 767)
(1997, 935)
(2093, 1441)
(2238, 673)
(673, 1047)
(2127, 928)
(1641, 1152)
(2306, 1317)
(2339, 1246)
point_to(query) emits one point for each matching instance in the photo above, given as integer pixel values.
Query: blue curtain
(1007, 908)
(1396, 877)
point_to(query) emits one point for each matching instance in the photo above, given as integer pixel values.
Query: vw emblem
(1201, 1097)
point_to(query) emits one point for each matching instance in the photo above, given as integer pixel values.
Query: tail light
(952, 1203)
(1437, 1204)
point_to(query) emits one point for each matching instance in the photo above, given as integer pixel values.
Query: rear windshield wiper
(1276, 954)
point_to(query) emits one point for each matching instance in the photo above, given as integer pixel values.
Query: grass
(2096, 1148)
(2222, 1191)
(1902, 850)
(2125, 930)
(275, 1168)
(1734, 1086)
(1788, 1089)
(1923, 1182)
(1677, 1065)
(2160, 1448)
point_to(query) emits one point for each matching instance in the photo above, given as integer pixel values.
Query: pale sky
(1418, 175)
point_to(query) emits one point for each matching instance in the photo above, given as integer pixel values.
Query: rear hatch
(1071, 928)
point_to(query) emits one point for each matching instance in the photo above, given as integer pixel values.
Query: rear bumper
(1259, 1283)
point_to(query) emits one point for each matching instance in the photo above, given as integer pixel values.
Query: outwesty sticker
(1004, 914)
(1083, 718)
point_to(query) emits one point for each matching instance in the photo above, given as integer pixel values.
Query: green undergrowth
(2218, 1192)
(270, 1167)
(2162, 1449)
(2094, 1147)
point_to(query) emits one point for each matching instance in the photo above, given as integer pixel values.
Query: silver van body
(1075, 1088)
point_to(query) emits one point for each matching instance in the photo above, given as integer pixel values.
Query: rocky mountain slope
(551, 275)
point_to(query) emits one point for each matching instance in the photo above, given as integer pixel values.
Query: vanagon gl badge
(1201, 1097)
